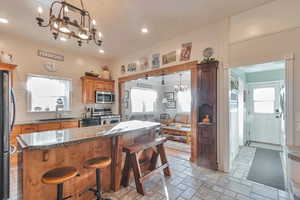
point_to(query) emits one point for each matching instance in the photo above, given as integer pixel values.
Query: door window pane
(264, 94)
(264, 100)
(264, 107)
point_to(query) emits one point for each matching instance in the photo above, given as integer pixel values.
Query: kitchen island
(44, 151)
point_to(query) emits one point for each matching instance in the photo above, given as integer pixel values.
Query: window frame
(141, 88)
(29, 93)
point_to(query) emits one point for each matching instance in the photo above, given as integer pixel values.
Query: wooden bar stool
(132, 161)
(98, 164)
(58, 176)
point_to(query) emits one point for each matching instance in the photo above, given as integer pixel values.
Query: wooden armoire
(207, 108)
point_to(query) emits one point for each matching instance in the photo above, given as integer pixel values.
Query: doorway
(257, 123)
(165, 99)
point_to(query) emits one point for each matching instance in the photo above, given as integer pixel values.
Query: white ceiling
(120, 21)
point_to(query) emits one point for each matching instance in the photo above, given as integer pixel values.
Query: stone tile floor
(190, 182)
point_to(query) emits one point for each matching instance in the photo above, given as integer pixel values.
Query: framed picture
(126, 96)
(123, 69)
(169, 57)
(131, 67)
(155, 61)
(144, 63)
(186, 51)
(171, 105)
(169, 96)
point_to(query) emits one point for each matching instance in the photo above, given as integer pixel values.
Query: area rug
(267, 169)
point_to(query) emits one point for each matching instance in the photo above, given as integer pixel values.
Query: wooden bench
(132, 161)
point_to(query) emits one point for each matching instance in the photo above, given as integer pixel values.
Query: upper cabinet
(9, 68)
(90, 85)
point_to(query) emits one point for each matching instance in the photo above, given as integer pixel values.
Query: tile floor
(190, 182)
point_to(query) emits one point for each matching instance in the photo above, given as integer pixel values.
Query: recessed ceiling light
(144, 30)
(101, 51)
(63, 39)
(3, 20)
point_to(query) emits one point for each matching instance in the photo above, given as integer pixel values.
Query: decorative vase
(106, 74)
(5, 57)
(206, 120)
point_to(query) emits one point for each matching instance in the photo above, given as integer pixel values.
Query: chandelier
(180, 87)
(60, 22)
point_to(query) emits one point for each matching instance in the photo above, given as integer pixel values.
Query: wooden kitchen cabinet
(91, 84)
(69, 124)
(49, 126)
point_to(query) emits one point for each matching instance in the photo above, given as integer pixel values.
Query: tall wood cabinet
(91, 84)
(207, 108)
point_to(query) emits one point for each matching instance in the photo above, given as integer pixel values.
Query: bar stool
(98, 163)
(58, 176)
(132, 162)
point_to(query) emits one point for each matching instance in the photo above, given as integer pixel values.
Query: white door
(265, 117)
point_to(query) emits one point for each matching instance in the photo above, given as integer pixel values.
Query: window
(264, 100)
(142, 100)
(184, 101)
(45, 91)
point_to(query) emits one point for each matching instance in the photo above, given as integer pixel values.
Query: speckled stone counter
(44, 151)
(52, 139)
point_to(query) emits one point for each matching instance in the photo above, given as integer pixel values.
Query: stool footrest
(158, 169)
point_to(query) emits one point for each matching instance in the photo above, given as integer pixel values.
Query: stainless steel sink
(56, 119)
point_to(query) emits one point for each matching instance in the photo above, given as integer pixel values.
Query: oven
(105, 97)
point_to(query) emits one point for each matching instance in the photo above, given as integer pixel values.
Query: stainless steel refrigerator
(7, 118)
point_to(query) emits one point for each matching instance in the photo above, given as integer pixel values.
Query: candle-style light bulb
(94, 22)
(40, 10)
(100, 35)
(66, 9)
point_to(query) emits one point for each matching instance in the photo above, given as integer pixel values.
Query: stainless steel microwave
(105, 97)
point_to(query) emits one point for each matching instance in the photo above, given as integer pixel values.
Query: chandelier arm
(82, 6)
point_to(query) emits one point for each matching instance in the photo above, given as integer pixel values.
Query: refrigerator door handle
(14, 109)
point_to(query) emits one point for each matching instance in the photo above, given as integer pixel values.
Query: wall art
(123, 69)
(171, 105)
(144, 63)
(169, 96)
(155, 61)
(186, 51)
(131, 67)
(169, 57)
(50, 55)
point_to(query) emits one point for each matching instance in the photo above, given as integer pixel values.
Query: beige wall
(207, 36)
(25, 56)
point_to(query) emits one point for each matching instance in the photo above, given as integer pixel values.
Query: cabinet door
(69, 124)
(207, 146)
(49, 126)
(109, 87)
(29, 128)
(99, 86)
(88, 91)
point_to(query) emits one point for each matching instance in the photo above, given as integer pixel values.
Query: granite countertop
(53, 139)
(293, 152)
(46, 121)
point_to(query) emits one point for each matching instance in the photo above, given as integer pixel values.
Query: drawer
(29, 129)
(69, 124)
(49, 126)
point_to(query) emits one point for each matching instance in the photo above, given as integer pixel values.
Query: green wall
(265, 76)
